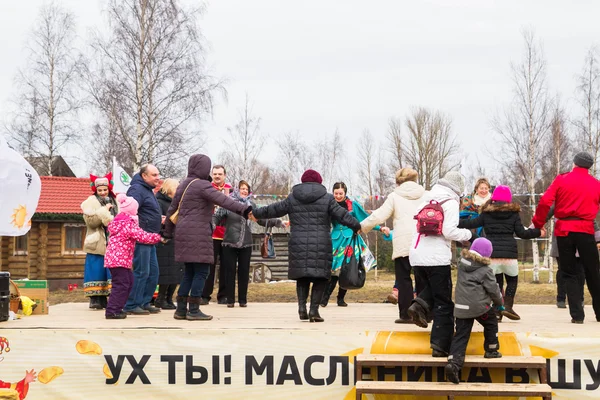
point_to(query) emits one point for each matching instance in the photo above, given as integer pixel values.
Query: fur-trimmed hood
(472, 260)
(491, 206)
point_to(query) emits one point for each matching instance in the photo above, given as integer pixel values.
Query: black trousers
(402, 269)
(233, 257)
(585, 244)
(210, 281)
(561, 293)
(463, 333)
(437, 293)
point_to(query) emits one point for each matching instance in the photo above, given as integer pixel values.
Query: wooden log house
(53, 249)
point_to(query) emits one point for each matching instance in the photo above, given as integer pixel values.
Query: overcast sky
(316, 65)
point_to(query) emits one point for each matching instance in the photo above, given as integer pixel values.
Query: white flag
(21, 188)
(121, 179)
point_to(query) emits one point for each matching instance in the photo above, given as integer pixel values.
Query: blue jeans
(145, 276)
(194, 277)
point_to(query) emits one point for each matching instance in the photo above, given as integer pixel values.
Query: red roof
(62, 195)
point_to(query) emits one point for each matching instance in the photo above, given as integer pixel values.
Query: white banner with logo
(20, 194)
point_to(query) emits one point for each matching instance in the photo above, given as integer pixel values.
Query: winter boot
(452, 373)
(302, 289)
(340, 298)
(103, 301)
(95, 303)
(181, 311)
(169, 297)
(315, 299)
(329, 290)
(161, 301)
(492, 354)
(418, 314)
(194, 313)
(509, 312)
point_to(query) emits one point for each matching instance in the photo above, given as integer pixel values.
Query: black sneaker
(492, 354)
(222, 301)
(576, 321)
(137, 311)
(561, 304)
(452, 373)
(120, 315)
(438, 353)
(204, 302)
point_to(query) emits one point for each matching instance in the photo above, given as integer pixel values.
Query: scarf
(108, 200)
(479, 201)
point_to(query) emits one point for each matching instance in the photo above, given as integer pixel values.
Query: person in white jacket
(430, 256)
(401, 205)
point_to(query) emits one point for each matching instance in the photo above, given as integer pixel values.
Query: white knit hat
(455, 181)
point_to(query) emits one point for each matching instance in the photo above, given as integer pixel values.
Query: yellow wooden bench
(449, 389)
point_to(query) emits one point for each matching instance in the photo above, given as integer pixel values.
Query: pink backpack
(430, 220)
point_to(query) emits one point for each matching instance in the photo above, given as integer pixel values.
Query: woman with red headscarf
(98, 211)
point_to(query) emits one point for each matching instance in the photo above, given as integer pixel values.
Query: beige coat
(96, 218)
(402, 205)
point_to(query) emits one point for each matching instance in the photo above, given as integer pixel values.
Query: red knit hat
(310, 175)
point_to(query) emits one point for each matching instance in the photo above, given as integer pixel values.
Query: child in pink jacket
(124, 234)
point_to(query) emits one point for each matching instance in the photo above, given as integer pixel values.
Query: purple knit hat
(482, 246)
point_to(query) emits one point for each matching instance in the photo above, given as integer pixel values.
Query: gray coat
(476, 287)
(238, 232)
(193, 236)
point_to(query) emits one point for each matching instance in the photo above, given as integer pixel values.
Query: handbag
(267, 248)
(175, 216)
(352, 273)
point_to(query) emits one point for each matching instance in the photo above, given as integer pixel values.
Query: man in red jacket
(576, 196)
(218, 181)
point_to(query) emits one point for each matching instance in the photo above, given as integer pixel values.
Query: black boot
(316, 296)
(418, 314)
(302, 289)
(194, 313)
(329, 290)
(169, 297)
(509, 312)
(103, 301)
(181, 311)
(160, 301)
(340, 298)
(452, 373)
(95, 303)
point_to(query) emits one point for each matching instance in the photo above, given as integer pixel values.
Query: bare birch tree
(49, 101)
(588, 96)
(329, 155)
(367, 154)
(557, 161)
(294, 158)
(395, 141)
(150, 83)
(430, 146)
(243, 147)
(525, 124)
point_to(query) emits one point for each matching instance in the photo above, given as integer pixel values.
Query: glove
(500, 308)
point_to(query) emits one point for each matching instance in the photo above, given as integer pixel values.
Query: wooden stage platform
(358, 317)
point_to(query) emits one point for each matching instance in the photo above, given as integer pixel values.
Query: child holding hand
(124, 234)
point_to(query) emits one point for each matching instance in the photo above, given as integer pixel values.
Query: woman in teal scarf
(341, 236)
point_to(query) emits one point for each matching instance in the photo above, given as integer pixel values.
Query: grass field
(375, 290)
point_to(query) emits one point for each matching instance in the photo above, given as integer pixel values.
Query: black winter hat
(583, 160)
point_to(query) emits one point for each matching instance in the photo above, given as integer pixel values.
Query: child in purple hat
(476, 289)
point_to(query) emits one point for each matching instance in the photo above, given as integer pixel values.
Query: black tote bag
(352, 272)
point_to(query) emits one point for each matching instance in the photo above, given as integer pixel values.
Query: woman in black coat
(311, 209)
(170, 272)
(501, 221)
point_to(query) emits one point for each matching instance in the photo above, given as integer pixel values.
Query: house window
(73, 236)
(256, 242)
(21, 243)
